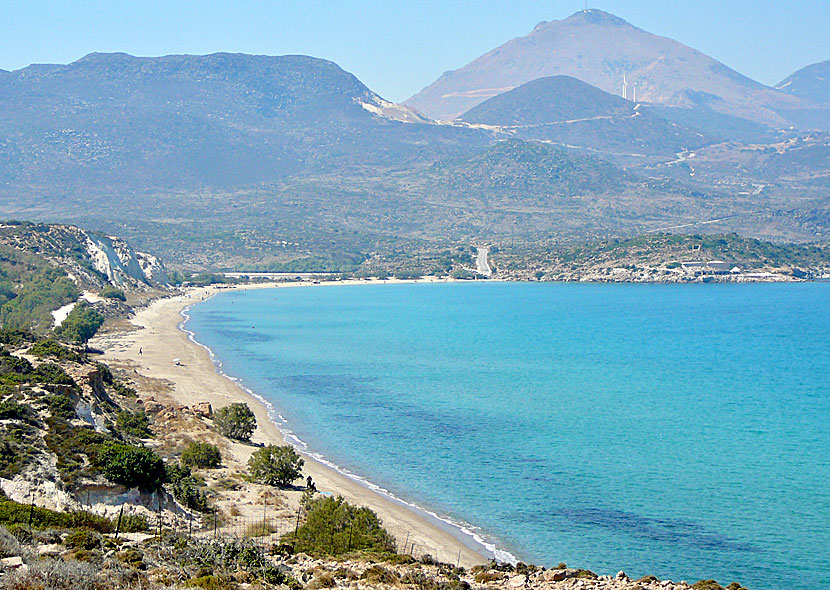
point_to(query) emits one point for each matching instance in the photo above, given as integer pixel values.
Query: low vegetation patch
(335, 527)
(201, 455)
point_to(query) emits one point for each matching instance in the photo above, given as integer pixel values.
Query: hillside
(603, 50)
(193, 122)
(46, 267)
(567, 111)
(811, 82)
(664, 258)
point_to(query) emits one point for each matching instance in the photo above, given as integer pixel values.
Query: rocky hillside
(93, 259)
(187, 121)
(569, 112)
(46, 269)
(615, 56)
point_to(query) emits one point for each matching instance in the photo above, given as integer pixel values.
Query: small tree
(201, 455)
(235, 421)
(133, 467)
(333, 527)
(275, 465)
(81, 324)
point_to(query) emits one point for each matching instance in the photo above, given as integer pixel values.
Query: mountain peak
(595, 16)
(589, 17)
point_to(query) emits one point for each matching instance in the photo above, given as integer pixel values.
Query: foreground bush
(202, 455)
(12, 512)
(275, 465)
(132, 467)
(334, 527)
(235, 421)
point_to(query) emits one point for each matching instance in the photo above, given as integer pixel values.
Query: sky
(397, 48)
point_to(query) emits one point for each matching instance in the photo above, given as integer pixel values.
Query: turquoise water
(682, 431)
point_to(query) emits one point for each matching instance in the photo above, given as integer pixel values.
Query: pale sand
(157, 333)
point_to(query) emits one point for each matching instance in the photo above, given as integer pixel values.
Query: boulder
(517, 581)
(11, 563)
(203, 410)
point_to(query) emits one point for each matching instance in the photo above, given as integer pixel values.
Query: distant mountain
(604, 51)
(570, 112)
(185, 121)
(811, 82)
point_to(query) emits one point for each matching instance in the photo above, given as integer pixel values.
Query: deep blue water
(682, 431)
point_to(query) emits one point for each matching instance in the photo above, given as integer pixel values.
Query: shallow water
(682, 431)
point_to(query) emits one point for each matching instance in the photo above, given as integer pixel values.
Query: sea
(675, 430)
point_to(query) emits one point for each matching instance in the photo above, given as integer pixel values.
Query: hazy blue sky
(396, 48)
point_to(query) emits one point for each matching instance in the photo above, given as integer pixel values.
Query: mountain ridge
(600, 49)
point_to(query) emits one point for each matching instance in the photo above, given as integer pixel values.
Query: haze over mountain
(567, 111)
(811, 82)
(187, 121)
(604, 50)
(230, 159)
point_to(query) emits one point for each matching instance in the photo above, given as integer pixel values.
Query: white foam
(460, 529)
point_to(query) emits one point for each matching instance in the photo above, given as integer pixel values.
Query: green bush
(134, 523)
(275, 465)
(60, 405)
(16, 338)
(41, 518)
(132, 467)
(81, 324)
(133, 423)
(83, 540)
(185, 488)
(202, 455)
(50, 348)
(52, 374)
(334, 527)
(235, 421)
(13, 410)
(111, 292)
(124, 390)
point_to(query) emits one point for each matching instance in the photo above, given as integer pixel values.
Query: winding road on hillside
(482, 266)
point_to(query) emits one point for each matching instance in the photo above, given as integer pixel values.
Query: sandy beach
(155, 332)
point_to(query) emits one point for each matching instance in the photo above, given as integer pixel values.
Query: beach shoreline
(158, 336)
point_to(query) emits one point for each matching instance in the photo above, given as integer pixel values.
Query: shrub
(133, 423)
(133, 467)
(275, 465)
(334, 527)
(60, 405)
(50, 348)
(83, 540)
(52, 374)
(111, 292)
(81, 324)
(15, 338)
(707, 585)
(235, 421)
(202, 455)
(185, 489)
(124, 390)
(133, 523)
(13, 410)
(12, 512)
(378, 574)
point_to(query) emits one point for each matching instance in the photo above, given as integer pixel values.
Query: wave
(463, 531)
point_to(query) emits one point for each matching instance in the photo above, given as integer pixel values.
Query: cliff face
(90, 258)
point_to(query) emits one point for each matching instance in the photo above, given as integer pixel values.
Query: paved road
(482, 266)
